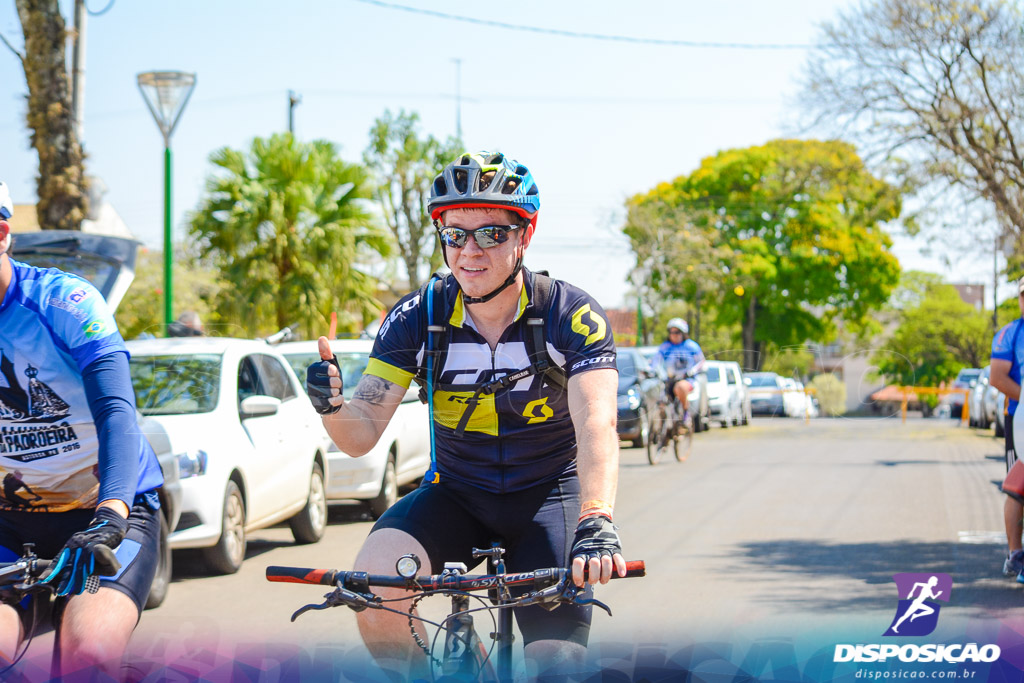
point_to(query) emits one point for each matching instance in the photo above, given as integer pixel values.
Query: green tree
(831, 393)
(197, 286)
(61, 185)
(936, 82)
(403, 166)
(286, 226)
(935, 338)
(781, 239)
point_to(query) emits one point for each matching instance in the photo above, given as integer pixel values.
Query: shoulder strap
(550, 371)
(437, 331)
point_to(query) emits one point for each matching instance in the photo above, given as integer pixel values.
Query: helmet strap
(508, 281)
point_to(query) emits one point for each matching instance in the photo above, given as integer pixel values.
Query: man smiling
(523, 393)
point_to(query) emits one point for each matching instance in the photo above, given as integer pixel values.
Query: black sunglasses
(486, 237)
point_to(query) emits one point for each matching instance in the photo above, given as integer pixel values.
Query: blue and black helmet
(485, 179)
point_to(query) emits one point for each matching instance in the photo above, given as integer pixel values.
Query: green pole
(168, 246)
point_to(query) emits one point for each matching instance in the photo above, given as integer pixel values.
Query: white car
(728, 401)
(400, 457)
(249, 444)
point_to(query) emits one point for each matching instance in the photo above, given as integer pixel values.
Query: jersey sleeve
(396, 350)
(81, 320)
(1002, 343)
(583, 334)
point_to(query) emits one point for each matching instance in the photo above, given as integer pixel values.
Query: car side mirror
(259, 406)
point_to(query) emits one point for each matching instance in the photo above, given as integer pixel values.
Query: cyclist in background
(1007, 358)
(67, 418)
(532, 464)
(682, 359)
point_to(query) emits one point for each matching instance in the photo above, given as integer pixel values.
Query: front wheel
(226, 556)
(310, 523)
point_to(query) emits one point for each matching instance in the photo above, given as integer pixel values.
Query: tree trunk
(751, 348)
(61, 185)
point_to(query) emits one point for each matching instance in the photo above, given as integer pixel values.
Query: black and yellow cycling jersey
(518, 436)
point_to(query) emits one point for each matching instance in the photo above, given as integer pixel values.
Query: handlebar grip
(323, 577)
(634, 568)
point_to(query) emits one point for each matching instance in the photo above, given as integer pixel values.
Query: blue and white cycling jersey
(681, 359)
(52, 326)
(1008, 344)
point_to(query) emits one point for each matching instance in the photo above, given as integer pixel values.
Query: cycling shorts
(138, 552)
(535, 526)
(1011, 453)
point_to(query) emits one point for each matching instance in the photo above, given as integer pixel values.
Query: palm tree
(287, 226)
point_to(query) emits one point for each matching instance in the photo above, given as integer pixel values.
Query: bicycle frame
(463, 653)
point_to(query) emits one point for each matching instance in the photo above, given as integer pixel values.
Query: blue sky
(596, 121)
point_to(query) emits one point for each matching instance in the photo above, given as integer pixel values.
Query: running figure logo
(917, 614)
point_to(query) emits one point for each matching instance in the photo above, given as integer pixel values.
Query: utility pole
(78, 72)
(458, 98)
(293, 101)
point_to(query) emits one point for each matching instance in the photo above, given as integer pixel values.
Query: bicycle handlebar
(467, 582)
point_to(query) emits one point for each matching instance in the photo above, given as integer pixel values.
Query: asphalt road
(779, 529)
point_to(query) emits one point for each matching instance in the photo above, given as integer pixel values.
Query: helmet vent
(485, 181)
(464, 161)
(510, 186)
(440, 187)
(521, 170)
(495, 158)
(461, 181)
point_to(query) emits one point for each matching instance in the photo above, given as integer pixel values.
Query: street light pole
(166, 93)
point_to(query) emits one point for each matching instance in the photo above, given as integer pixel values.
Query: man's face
(676, 336)
(481, 271)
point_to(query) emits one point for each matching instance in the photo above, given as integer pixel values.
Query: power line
(589, 36)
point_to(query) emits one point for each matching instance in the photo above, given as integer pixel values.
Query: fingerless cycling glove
(318, 386)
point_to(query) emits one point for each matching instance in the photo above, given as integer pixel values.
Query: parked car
(766, 393)
(402, 454)
(640, 388)
(728, 400)
(978, 415)
(698, 396)
(108, 263)
(965, 379)
(249, 443)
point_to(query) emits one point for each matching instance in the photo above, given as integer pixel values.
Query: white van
(728, 399)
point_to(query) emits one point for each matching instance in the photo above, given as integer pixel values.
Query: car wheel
(226, 556)
(645, 428)
(388, 490)
(162, 579)
(309, 525)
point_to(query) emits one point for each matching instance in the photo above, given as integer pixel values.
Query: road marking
(982, 537)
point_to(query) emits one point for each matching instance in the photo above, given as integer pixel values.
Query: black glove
(318, 386)
(90, 552)
(595, 537)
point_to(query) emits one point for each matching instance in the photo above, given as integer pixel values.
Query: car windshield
(966, 376)
(176, 384)
(762, 380)
(713, 374)
(352, 366)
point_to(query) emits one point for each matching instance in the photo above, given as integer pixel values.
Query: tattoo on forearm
(372, 389)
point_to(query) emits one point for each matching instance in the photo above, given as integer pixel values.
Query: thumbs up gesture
(323, 380)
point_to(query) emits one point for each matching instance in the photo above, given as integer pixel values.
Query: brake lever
(571, 593)
(357, 602)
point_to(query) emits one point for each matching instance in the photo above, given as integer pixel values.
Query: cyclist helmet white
(6, 203)
(678, 324)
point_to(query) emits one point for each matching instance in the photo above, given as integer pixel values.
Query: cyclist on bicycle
(68, 434)
(513, 462)
(682, 359)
